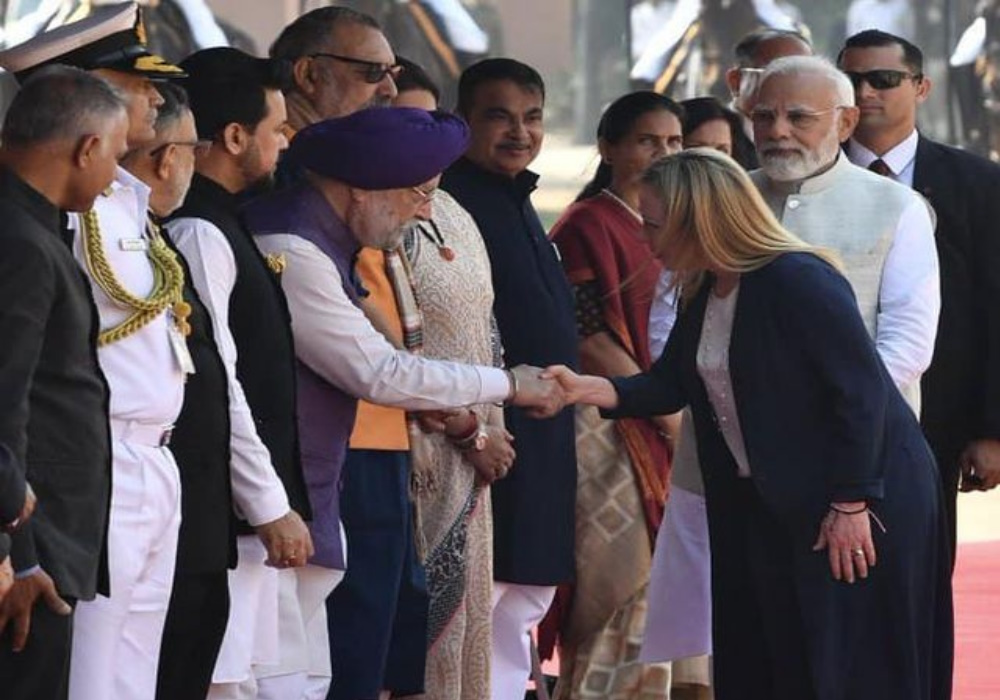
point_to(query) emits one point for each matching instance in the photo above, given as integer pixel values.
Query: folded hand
(287, 540)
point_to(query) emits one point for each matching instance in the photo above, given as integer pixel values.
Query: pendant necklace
(435, 237)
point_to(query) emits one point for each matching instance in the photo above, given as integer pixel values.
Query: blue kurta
(534, 506)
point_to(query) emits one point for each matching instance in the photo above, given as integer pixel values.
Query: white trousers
(303, 671)
(517, 609)
(252, 629)
(116, 640)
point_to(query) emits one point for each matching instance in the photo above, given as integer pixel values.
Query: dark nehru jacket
(200, 445)
(259, 321)
(534, 506)
(53, 397)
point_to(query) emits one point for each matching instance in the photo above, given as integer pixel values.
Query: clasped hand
(542, 396)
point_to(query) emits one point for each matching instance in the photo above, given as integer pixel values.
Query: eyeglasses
(371, 71)
(800, 119)
(882, 79)
(425, 195)
(200, 146)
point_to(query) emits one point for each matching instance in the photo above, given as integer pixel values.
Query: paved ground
(979, 518)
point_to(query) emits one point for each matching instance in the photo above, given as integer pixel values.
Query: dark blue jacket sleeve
(659, 391)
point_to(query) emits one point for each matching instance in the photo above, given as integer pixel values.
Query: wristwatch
(475, 441)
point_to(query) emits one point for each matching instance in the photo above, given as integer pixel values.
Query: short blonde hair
(717, 218)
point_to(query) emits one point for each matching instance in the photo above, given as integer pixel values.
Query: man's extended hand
(287, 540)
(980, 465)
(543, 398)
(16, 608)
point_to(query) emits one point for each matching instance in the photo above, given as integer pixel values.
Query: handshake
(540, 391)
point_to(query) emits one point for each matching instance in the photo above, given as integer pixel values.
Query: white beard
(802, 163)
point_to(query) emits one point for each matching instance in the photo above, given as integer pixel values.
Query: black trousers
(41, 671)
(377, 616)
(192, 636)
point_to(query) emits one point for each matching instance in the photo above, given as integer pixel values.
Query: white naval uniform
(116, 640)
(251, 638)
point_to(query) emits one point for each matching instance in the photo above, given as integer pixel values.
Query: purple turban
(383, 148)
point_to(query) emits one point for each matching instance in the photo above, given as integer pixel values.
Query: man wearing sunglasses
(342, 63)
(377, 616)
(961, 390)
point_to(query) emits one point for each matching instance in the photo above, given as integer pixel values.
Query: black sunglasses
(882, 79)
(371, 72)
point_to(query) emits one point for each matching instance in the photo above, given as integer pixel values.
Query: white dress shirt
(258, 494)
(145, 378)
(900, 158)
(334, 338)
(909, 298)
(910, 293)
(662, 314)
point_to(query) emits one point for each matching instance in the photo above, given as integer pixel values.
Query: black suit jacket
(53, 397)
(961, 389)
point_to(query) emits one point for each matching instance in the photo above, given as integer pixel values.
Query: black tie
(879, 166)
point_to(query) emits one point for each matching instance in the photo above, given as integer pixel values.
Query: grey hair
(311, 32)
(60, 102)
(815, 66)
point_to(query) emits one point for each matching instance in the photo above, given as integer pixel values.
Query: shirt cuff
(266, 506)
(494, 385)
(30, 571)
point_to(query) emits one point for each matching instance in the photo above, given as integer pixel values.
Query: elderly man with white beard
(882, 230)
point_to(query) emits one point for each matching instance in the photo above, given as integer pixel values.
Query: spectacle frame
(800, 119)
(372, 72)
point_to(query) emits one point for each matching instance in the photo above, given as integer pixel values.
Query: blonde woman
(806, 447)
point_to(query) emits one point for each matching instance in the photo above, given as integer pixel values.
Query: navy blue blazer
(534, 507)
(821, 419)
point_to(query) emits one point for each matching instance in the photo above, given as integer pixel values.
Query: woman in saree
(623, 464)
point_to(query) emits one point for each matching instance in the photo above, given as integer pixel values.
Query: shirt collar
(898, 158)
(124, 180)
(522, 184)
(34, 201)
(212, 190)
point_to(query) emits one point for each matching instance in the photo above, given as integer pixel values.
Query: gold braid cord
(168, 283)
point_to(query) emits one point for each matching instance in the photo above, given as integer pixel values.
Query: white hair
(816, 66)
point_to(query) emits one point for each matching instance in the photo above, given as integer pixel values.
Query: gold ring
(858, 552)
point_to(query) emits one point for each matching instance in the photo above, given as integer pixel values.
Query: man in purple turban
(367, 176)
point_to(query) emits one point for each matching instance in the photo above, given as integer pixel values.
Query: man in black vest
(63, 136)
(961, 388)
(237, 104)
(199, 602)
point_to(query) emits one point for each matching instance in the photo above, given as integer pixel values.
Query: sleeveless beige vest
(854, 212)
